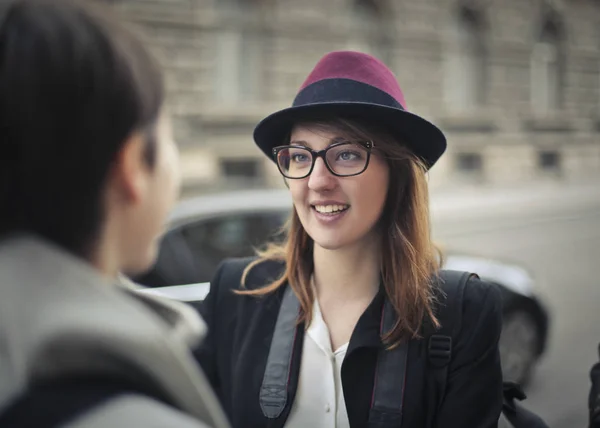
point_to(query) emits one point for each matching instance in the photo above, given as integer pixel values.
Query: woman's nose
(321, 178)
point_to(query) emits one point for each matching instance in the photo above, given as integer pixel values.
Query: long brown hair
(409, 258)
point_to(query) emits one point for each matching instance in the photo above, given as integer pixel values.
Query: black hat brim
(422, 137)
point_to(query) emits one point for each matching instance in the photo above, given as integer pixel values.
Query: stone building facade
(515, 84)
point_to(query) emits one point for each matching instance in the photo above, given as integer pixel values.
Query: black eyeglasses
(343, 159)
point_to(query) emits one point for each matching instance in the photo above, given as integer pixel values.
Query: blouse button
(327, 408)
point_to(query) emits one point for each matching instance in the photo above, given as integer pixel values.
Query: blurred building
(515, 84)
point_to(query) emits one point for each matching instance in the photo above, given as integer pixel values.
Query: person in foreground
(328, 329)
(88, 175)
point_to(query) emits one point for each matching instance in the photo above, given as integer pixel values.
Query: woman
(299, 336)
(88, 175)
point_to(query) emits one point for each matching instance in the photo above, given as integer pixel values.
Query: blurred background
(514, 84)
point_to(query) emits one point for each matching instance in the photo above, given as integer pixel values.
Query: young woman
(327, 330)
(88, 174)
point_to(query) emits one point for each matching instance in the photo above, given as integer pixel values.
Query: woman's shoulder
(258, 272)
(481, 296)
(481, 322)
(471, 313)
(472, 296)
(468, 307)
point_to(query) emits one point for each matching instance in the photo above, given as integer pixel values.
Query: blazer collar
(367, 331)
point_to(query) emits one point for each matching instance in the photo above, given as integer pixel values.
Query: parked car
(205, 230)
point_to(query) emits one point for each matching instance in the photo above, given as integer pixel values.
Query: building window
(228, 49)
(547, 66)
(469, 162)
(549, 161)
(238, 66)
(370, 29)
(466, 74)
(239, 54)
(250, 69)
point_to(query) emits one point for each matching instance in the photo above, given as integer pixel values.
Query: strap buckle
(439, 350)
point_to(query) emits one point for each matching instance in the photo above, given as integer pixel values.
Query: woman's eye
(348, 156)
(299, 157)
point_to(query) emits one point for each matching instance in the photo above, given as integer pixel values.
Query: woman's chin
(330, 243)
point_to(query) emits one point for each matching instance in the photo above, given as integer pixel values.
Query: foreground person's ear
(130, 170)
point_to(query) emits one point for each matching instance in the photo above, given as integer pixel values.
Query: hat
(354, 85)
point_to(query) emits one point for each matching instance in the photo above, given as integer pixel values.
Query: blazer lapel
(367, 330)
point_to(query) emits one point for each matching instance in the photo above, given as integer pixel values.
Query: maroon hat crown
(355, 86)
(356, 66)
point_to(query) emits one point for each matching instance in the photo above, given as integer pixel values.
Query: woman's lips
(329, 217)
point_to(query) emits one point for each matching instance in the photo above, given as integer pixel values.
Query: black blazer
(234, 355)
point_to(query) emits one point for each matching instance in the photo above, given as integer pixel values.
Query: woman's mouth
(330, 210)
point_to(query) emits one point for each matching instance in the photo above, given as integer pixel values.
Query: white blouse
(319, 399)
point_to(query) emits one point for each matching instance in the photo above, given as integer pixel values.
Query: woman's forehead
(320, 133)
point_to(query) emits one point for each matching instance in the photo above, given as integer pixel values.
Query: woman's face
(338, 212)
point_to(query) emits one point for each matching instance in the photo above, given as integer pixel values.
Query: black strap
(390, 376)
(451, 285)
(274, 389)
(390, 373)
(54, 403)
(273, 395)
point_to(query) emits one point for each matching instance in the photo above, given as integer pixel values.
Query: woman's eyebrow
(337, 140)
(307, 144)
(299, 143)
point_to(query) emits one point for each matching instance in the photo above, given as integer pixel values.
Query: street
(560, 243)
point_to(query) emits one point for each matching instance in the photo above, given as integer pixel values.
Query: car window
(263, 227)
(233, 235)
(191, 252)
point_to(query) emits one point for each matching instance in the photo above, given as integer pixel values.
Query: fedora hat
(354, 85)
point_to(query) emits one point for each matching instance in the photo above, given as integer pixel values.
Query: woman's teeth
(330, 208)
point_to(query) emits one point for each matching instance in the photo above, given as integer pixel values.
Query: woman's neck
(350, 273)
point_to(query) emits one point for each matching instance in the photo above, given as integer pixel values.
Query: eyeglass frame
(369, 145)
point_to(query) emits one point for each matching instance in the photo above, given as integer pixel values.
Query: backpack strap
(54, 403)
(274, 389)
(387, 404)
(451, 286)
